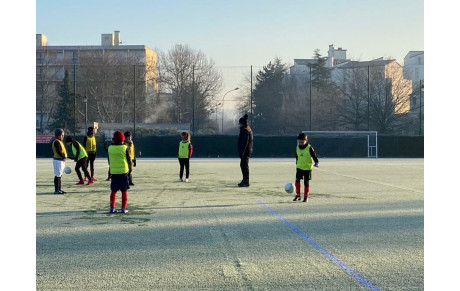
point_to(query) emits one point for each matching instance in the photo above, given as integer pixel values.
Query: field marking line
(327, 254)
(372, 181)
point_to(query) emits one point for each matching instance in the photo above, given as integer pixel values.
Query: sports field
(362, 228)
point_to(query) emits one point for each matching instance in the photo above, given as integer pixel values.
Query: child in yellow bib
(305, 156)
(81, 157)
(185, 152)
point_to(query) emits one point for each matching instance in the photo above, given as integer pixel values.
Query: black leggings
(184, 162)
(82, 164)
(91, 158)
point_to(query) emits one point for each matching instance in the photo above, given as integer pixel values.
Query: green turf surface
(209, 234)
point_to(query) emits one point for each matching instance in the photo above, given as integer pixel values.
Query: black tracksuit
(245, 141)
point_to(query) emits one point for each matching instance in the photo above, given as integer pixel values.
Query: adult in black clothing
(245, 141)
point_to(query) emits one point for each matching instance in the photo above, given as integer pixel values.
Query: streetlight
(217, 104)
(223, 107)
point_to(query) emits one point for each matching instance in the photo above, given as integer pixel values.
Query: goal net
(344, 143)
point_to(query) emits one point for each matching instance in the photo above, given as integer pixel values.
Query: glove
(316, 165)
(134, 162)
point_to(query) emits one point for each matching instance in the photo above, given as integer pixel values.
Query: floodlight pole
(75, 93)
(134, 101)
(420, 105)
(368, 99)
(310, 95)
(252, 113)
(86, 108)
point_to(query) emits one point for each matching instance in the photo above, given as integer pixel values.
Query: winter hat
(68, 139)
(243, 120)
(90, 130)
(118, 137)
(128, 133)
(58, 131)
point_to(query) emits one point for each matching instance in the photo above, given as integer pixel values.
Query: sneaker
(124, 210)
(113, 210)
(243, 183)
(81, 182)
(296, 198)
(94, 179)
(58, 192)
(62, 192)
(131, 184)
(108, 179)
(90, 182)
(186, 180)
(180, 180)
(304, 200)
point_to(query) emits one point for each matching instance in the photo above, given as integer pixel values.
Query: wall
(265, 146)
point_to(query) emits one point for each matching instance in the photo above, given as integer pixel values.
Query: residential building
(96, 72)
(385, 77)
(414, 70)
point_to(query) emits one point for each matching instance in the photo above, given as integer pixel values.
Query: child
(305, 155)
(59, 156)
(89, 141)
(185, 152)
(119, 166)
(129, 142)
(81, 157)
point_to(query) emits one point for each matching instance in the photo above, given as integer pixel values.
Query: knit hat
(90, 130)
(58, 132)
(118, 137)
(243, 120)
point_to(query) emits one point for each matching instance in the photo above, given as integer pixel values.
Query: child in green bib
(305, 156)
(184, 154)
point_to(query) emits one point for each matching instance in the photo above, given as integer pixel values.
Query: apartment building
(91, 67)
(342, 68)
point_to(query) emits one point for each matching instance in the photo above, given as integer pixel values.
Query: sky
(242, 32)
(239, 33)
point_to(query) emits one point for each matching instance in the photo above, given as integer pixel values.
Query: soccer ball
(289, 188)
(67, 170)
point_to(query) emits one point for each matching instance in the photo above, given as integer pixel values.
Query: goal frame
(372, 147)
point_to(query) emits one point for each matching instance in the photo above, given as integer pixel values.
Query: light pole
(217, 104)
(223, 107)
(422, 88)
(86, 108)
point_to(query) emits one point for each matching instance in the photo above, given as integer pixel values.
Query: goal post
(371, 137)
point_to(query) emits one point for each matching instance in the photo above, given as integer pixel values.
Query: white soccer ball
(289, 188)
(67, 170)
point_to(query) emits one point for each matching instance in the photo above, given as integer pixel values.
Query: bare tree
(117, 88)
(47, 83)
(193, 82)
(374, 95)
(352, 112)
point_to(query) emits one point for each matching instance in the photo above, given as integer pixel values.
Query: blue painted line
(327, 254)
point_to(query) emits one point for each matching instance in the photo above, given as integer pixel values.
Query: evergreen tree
(268, 97)
(64, 114)
(321, 75)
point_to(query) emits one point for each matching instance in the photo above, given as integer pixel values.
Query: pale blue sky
(242, 32)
